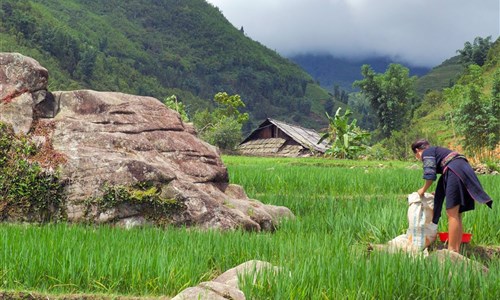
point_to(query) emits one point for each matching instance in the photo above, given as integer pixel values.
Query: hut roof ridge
(305, 136)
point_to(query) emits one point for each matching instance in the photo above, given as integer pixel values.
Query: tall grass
(340, 207)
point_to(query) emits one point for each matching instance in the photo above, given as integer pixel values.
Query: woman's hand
(426, 186)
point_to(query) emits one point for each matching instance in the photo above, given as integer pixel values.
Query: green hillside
(442, 76)
(159, 48)
(432, 119)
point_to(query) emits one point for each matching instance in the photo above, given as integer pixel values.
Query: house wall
(265, 133)
(270, 132)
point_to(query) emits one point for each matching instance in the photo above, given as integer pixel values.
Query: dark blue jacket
(438, 160)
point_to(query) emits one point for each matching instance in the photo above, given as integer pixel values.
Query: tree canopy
(477, 52)
(222, 126)
(391, 95)
(475, 113)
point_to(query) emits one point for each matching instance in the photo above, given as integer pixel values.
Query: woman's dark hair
(420, 144)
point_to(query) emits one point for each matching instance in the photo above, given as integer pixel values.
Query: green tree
(222, 126)
(344, 97)
(328, 106)
(346, 139)
(494, 118)
(228, 106)
(391, 95)
(475, 114)
(225, 134)
(336, 91)
(172, 103)
(360, 104)
(475, 53)
(86, 65)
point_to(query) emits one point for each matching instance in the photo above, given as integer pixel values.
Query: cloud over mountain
(420, 32)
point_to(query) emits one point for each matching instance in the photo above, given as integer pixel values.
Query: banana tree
(346, 139)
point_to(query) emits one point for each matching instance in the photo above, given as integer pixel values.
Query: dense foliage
(173, 103)
(477, 52)
(345, 138)
(391, 95)
(158, 48)
(222, 126)
(465, 115)
(475, 114)
(28, 192)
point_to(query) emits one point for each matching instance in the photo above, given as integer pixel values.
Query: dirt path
(39, 296)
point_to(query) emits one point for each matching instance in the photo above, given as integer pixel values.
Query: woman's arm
(426, 186)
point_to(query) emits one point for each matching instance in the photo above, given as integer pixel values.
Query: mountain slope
(436, 123)
(159, 48)
(442, 76)
(330, 70)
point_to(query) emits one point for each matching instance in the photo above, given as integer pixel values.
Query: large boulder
(23, 84)
(110, 142)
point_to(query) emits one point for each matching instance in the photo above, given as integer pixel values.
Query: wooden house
(275, 138)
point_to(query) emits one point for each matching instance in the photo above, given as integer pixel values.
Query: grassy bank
(340, 206)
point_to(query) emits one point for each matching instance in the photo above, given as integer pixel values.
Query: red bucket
(443, 236)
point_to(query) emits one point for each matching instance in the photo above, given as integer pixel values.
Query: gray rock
(226, 286)
(114, 139)
(211, 290)
(22, 81)
(458, 259)
(252, 267)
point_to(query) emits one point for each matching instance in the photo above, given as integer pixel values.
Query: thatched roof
(271, 147)
(307, 138)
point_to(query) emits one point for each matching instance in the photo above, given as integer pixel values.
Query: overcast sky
(418, 32)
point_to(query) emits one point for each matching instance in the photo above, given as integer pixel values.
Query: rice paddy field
(341, 207)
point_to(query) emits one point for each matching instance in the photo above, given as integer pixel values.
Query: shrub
(222, 126)
(157, 207)
(28, 192)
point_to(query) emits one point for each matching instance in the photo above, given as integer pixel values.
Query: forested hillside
(442, 76)
(467, 113)
(159, 48)
(330, 71)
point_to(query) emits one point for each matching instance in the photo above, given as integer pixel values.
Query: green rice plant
(340, 208)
